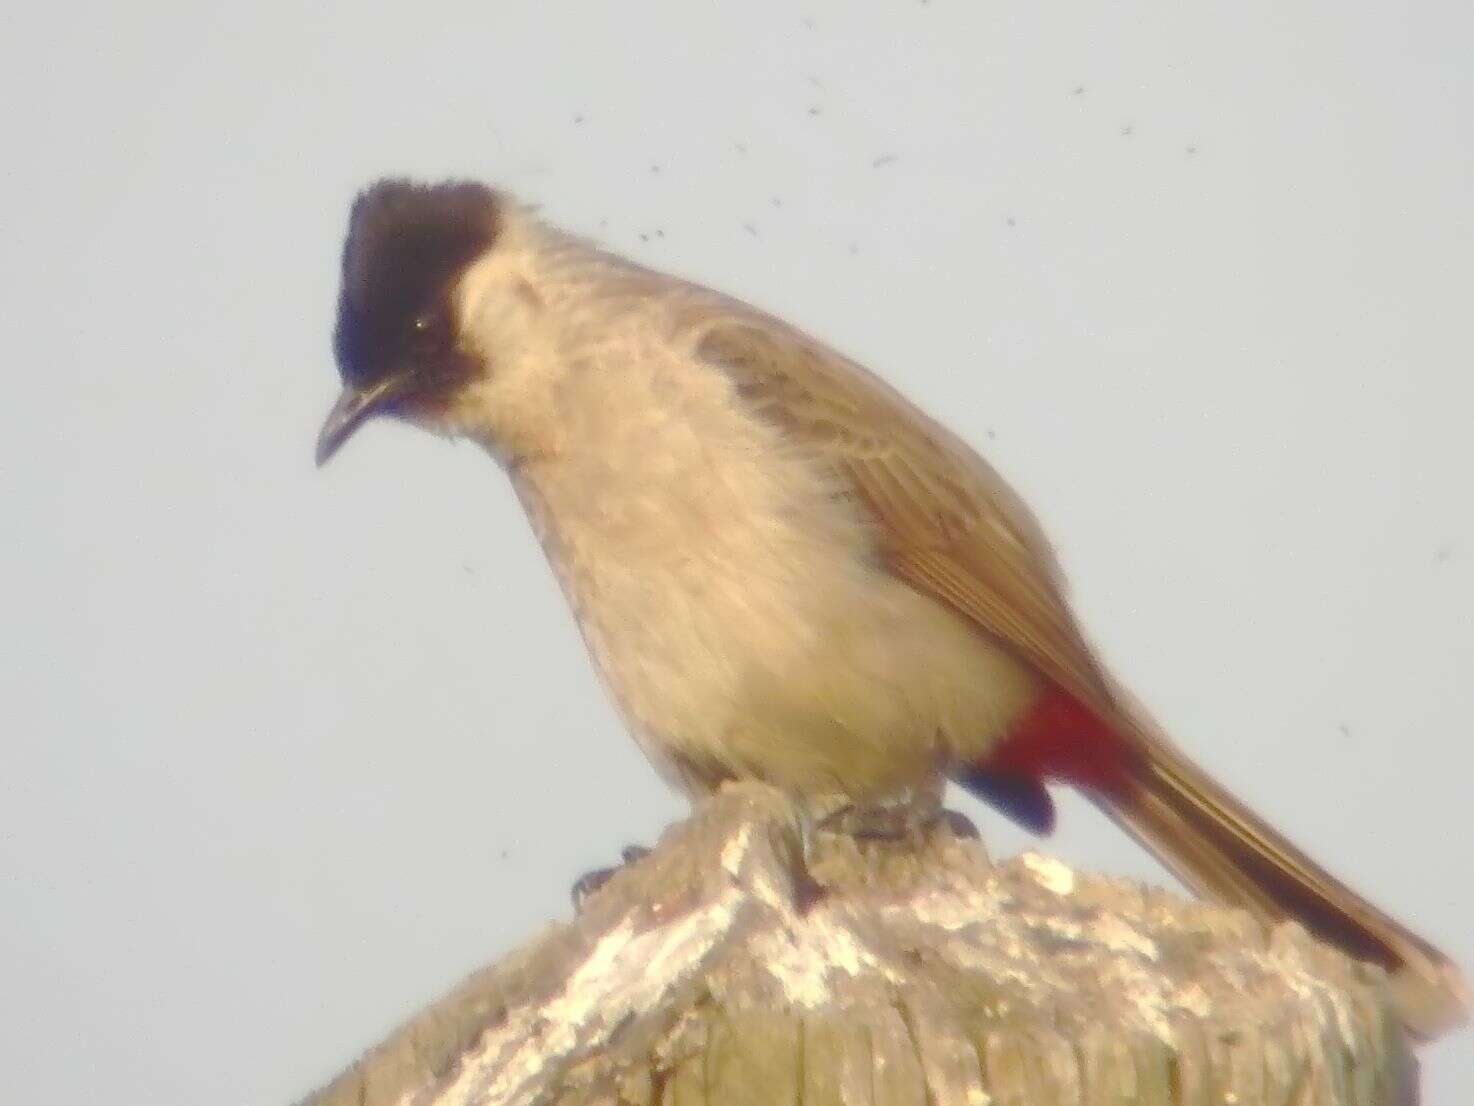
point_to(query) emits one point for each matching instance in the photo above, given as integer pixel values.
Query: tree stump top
(710, 973)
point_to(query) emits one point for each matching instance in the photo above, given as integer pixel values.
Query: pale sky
(289, 752)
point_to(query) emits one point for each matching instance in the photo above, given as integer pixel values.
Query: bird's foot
(871, 823)
(957, 824)
(587, 884)
(896, 822)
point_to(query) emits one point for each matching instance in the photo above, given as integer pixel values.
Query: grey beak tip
(348, 412)
(353, 408)
(323, 453)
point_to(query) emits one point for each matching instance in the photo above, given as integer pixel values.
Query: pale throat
(511, 407)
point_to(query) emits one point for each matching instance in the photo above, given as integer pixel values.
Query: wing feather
(947, 523)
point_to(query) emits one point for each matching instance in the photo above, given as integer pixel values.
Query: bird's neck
(539, 309)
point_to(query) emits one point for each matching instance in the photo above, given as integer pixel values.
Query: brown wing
(952, 528)
(948, 523)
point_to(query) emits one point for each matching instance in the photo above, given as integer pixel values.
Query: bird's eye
(427, 329)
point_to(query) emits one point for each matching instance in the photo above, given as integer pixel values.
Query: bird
(781, 568)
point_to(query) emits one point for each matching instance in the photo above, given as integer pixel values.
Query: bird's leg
(588, 883)
(807, 891)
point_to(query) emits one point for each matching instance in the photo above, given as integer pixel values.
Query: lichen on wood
(710, 973)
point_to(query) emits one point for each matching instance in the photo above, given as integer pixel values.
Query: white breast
(732, 601)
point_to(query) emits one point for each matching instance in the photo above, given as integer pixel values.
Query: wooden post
(709, 974)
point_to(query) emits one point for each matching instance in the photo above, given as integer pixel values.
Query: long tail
(1221, 849)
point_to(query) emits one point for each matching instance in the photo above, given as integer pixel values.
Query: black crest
(407, 244)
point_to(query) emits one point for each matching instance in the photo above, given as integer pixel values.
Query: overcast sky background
(288, 752)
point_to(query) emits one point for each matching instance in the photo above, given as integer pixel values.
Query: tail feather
(1222, 849)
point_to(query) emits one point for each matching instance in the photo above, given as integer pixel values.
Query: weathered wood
(707, 974)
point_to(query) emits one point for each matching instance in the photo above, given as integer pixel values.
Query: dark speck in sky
(659, 232)
(815, 110)
(1191, 150)
(1012, 221)
(742, 147)
(1127, 131)
(1444, 555)
(578, 118)
(883, 160)
(655, 168)
(777, 201)
(752, 230)
(644, 238)
(1079, 90)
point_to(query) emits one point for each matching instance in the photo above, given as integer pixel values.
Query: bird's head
(399, 341)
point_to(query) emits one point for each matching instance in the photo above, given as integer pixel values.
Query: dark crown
(407, 244)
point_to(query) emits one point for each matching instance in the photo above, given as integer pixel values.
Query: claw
(586, 885)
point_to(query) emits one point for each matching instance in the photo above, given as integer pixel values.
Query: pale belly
(753, 648)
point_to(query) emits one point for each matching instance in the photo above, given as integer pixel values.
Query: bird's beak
(354, 407)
